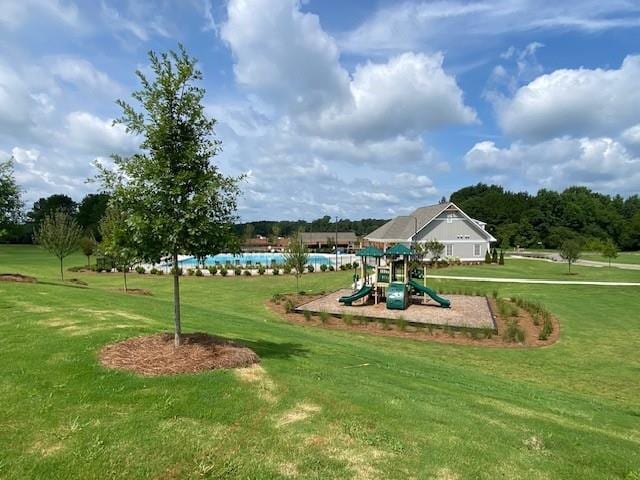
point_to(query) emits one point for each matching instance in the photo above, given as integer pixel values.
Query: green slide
(363, 292)
(426, 290)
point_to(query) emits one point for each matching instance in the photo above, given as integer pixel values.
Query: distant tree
(54, 203)
(10, 202)
(443, 200)
(117, 241)
(609, 250)
(296, 256)
(88, 245)
(487, 257)
(494, 256)
(59, 234)
(175, 199)
(275, 234)
(435, 248)
(249, 231)
(91, 210)
(570, 251)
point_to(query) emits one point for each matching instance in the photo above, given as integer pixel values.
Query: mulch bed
(135, 291)
(437, 334)
(156, 354)
(17, 277)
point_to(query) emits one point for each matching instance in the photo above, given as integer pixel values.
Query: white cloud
(15, 13)
(575, 102)
(411, 25)
(407, 95)
(85, 132)
(83, 73)
(602, 163)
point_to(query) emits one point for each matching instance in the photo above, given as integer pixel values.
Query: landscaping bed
(516, 326)
(17, 277)
(156, 354)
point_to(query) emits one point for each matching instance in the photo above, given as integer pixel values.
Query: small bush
(355, 265)
(494, 294)
(140, 270)
(159, 272)
(179, 270)
(246, 273)
(475, 334)
(360, 319)
(401, 323)
(347, 319)
(332, 268)
(276, 297)
(514, 333)
(324, 317)
(487, 257)
(430, 328)
(347, 266)
(310, 268)
(302, 292)
(547, 329)
(190, 272)
(501, 259)
(153, 271)
(213, 270)
(323, 268)
(307, 315)
(286, 270)
(261, 270)
(535, 318)
(385, 324)
(487, 332)
(288, 306)
(237, 271)
(342, 268)
(199, 272)
(224, 272)
(275, 271)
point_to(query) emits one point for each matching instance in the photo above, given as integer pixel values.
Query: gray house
(463, 237)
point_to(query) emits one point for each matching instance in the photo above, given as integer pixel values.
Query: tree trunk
(88, 261)
(61, 270)
(176, 302)
(569, 267)
(297, 283)
(124, 272)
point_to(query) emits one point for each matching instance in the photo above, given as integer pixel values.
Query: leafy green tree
(435, 248)
(175, 199)
(570, 251)
(10, 202)
(59, 234)
(117, 241)
(88, 245)
(296, 256)
(53, 203)
(609, 250)
(91, 210)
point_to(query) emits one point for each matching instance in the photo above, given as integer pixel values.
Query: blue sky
(356, 109)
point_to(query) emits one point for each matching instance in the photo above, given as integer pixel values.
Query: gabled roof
(399, 249)
(370, 251)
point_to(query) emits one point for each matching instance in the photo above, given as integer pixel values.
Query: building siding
(441, 230)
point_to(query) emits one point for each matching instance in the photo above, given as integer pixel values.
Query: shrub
(430, 328)
(261, 270)
(286, 269)
(360, 319)
(307, 315)
(332, 268)
(488, 333)
(159, 272)
(514, 333)
(385, 324)
(494, 256)
(276, 297)
(356, 264)
(140, 270)
(199, 272)
(237, 271)
(213, 270)
(310, 268)
(347, 319)
(501, 259)
(401, 323)
(288, 306)
(224, 271)
(487, 257)
(323, 268)
(179, 270)
(324, 317)
(347, 266)
(153, 271)
(275, 270)
(547, 329)
(342, 268)
(474, 334)
(246, 273)
(190, 272)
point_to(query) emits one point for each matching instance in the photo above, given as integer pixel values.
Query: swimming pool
(265, 259)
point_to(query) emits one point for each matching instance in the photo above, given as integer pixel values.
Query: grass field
(623, 257)
(326, 404)
(532, 268)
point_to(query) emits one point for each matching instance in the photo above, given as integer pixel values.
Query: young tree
(570, 251)
(59, 234)
(609, 250)
(88, 246)
(175, 199)
(117, 241)
(10, 202)
(435, 248)
(494, 256)
(501, 259)
(487, 257)
(296, 256)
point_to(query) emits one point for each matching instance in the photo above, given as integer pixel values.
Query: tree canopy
(60, 234)
(10, 201)
(45, 206)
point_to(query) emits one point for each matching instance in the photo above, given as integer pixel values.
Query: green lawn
(530, 268)
(417, 410)
(623, 257)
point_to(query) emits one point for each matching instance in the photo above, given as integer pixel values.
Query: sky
(363, 109)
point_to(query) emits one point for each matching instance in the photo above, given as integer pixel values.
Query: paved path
(531, 280)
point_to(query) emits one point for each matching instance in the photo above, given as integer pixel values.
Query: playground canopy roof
(370, 251)
(399, 249)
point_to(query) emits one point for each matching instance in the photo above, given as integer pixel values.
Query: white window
(449, 250)
(450, 218)
(476, 250)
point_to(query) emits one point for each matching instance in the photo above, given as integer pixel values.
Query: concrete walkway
(531, 280)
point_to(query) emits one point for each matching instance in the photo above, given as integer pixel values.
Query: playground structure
(390, 281)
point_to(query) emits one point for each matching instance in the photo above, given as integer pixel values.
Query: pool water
(265, 259)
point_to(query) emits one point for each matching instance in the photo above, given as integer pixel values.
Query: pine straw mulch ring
(17, 277)
(156, 354)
